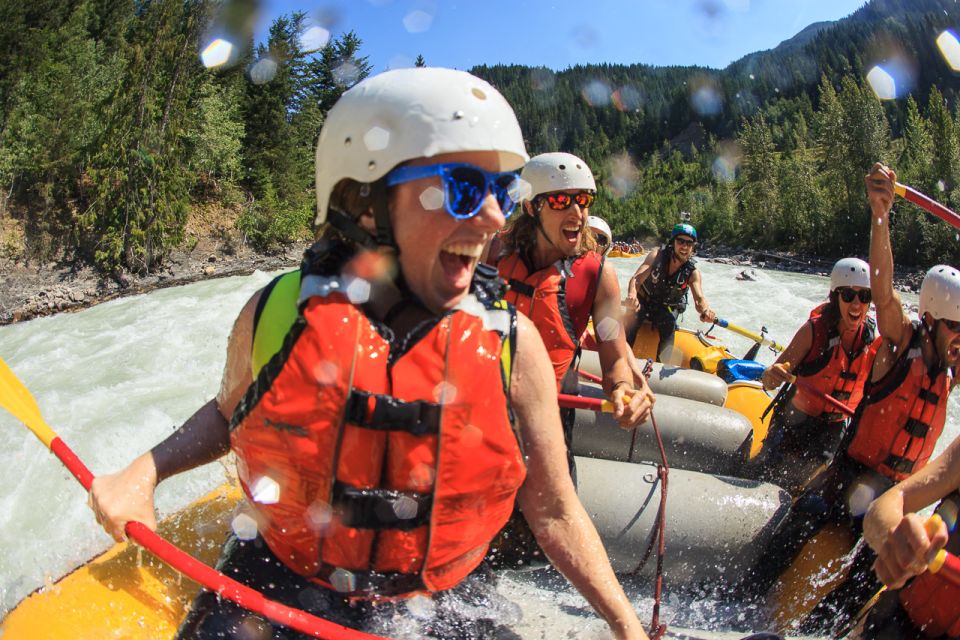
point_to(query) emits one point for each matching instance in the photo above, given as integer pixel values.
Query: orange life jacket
(380, 468)
(558, 299)
(930, 600)
(828, 369)
(901, 417)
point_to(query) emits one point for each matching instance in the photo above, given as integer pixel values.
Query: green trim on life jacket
(276, 313)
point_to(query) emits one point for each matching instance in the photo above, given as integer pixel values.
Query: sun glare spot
(431, 198)
(263, 71)
(949, 49)
(597, 93)
(217, 53)
(314, 38)
(417, 21)
(882, 83)
(244, 527)
(265, 490)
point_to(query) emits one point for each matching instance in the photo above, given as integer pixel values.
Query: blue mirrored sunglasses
(464, 186)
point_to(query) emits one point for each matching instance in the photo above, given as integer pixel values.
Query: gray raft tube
(716, 526)
(671, 381)
(697, 436)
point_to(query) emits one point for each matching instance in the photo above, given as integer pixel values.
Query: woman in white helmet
(601, 233)
(830, 355)
(356, 445)
(557, 278)
(898, 422)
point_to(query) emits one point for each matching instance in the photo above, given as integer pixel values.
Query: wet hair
(352, 198)
(520, 234)
(831, 312)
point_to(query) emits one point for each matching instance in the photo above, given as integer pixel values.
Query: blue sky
(561, 33)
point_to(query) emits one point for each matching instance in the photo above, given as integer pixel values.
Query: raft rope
(659, 538)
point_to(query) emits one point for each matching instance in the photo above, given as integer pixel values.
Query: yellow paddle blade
(16, 398)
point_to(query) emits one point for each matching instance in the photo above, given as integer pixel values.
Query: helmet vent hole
(562, 167)
(371, 165)
(478, 93)
(458, 115)
(347, 142)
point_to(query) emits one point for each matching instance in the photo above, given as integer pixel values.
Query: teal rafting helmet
(683, 229)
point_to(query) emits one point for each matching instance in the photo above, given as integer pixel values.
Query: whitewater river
(116, 378)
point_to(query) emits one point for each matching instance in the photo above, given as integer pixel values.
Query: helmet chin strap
(382, 237)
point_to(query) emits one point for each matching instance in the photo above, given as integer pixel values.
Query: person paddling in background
(919, 604)
(557, 278)
(831, 354)
(383, 438)
(898, 421)
(657, 293)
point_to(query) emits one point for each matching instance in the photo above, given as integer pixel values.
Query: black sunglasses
(602, 240)
(684, 242)
(847, 294)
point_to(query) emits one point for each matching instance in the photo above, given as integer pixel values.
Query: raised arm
(897, 533)
(548, 498)
(782, 368)
(128, 495)
(616, 360)
(892, 323)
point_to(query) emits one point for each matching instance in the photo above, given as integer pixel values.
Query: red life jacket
(902, 416)
(828, 369)
(930, 600)
(558, 299)
(378, 468)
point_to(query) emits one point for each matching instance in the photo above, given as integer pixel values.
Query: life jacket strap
(369, 584)
(899, 464)
(916, 428)
(381, 508)
(376, 411)
(522, 288)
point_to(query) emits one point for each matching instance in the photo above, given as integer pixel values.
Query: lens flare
(217, 53)
(623, 175)
(417, 21)
(314, 39)
(627, 98)
(376, 139)
(706, 100)
(596, 93)
(265, 490)
(882, 83)
(244, 527)
(263, 70)
(950, 49)
(431, 198)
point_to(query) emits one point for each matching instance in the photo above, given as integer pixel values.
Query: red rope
(657, 630)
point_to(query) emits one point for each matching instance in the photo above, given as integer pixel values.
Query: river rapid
(115, 379)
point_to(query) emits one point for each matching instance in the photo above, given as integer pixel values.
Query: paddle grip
(73, 464)
(928, 204)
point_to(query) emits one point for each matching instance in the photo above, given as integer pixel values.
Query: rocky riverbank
(30, 291)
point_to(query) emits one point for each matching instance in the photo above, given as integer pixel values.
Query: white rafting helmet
(850, 272)
(556, 171)
(940, 293)
(400, 115)
(599, 225)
